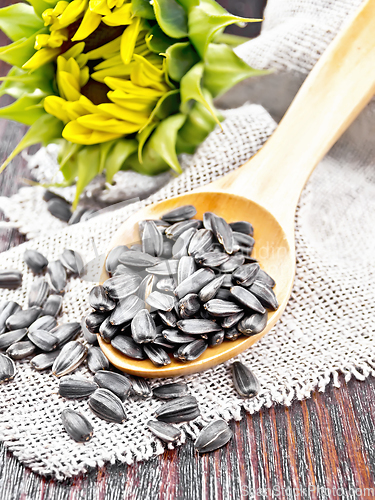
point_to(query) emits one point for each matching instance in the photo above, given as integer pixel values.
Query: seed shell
(53, 305)
(201, 242)
(46, 323)
(165, 268)
(10, 278)
(180, 248)
(72, 387)
(152, 239)
(128, 347)
(126, 309)
(221, 308)
(112, 260)
(36, 261)
(7, 368)
(114, 382)
(168, 318)
(71, 356)
(251, 325)
(223, 233)
(57, 275)
(195, 282)
(10, 338)
(247, 299)
(161, 301)
(21, 350)
(244, 381)
(242, 227)
(198, 326)
(136, 258)
(107, 331)
(209, 291)
(175, 230)
(265, 295)
(245, 275)
(157, 355)
(99, 300)
(38, 293)
(265, 278)
(9, 309)
(177, 337)
(191, 351)
(44, 360)
(46, 341)
(231, 333)
(179, 214)
(178, 410)
(232, 320)
(143, 327)
(76, 425)
(216, 338)
(60, 209)
(232, 263)
(166, 432)
(243, 240)
(146, 287)
(72, 261)
(166, 285)
(107, 406)
(171, 391)
(96, 360)
(186, 267)
(121, 286)
(212, 259)
(212, 437)
(66, 332)
(23, 318)
(140, 387)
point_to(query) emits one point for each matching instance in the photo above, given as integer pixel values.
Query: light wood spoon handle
(337, 89)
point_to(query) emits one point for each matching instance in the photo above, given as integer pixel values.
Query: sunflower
(118, 84)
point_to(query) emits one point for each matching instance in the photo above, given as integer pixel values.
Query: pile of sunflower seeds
(188, 285)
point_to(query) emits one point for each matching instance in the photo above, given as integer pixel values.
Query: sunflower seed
(180, 248)
(44, 360)
(7, 368)
(247, 299)
(99, 300)
(201, 242)
(188, 305)
(242, 227)
(207, 220)
(174, 231)
(191, 351)
(120, 287)
(71, 356)
(209, 291)
(165, 268)
(223, 233)
(76, 425)
(232, 263)
(137, 247)
(66, 332)
(10, 338)
(231, 333)
(72, 261)
(52, 306)
(121, 269)
(112, 260)
(146, 287)
(140, 387)
(21, 350)
(166, 285)
(215, 435)
(23, 318)
(244, 381)
(143, 327)
(179, 214)
(251, 325)
(245, 275)
(107, 406)
(10, 278)
(46, 323)
(136, 258)
(46, 341)
(94, 320)
(107, 331)
(232, 320)
(167, 249)
(176, 337)
(243, 240)
(157, 355)
(198, 326)
(60, 209)
(71, 387)
(186, 267)
(221, 308)
(9, 309)
(223, 294)
(160, 224)
(57, 275)
(49, 195)
(126, 309)
(114, 382)
(265, 295)
(152, 239)
(168, 317)
(178, 410)
(161, 301)
(160, 341)
(96, 360)
(166, 432)
(127, 346)
(77, 216)
(195, 282)
(35, 261)
(265, 278)
(91, 338)
(216, 338)
(212, 259)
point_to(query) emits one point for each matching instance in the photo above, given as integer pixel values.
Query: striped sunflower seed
(72, 387)
(72, 261)
(128, 347)
(243, 240)
(77, 215)
(166, 285)
(76, 425)
(162, 225)
(244, 381)
(223, 233)
(221, 308)
(46, 323)
(157, 355)
(23, 318)
(231, 333)
(46, 341)
(178, 410)
(91, 338)
(96, 360)
(107, 406)
(188, 305)
(36, 261)
(180, 248)
(21, 350)
(143, 327)
(195, 282)
(136, 258)
(112, 260)
(137, 247)
(160, 341)
(94, 320)
(107, 331)
(264, 294)
(120, 287)
(161, 301)
(245, 275)
(66, 332)
(10, 338)
(146, 287)
(10, 278)
(198, 326)
(165, 268)
(152, 239)
(53, 305)
(71, 356)
(167, 249)
(223, 294)
(215, 338)
(126, 309)
(242, 227)
(9, 309)
(208, 217)
(186, 267)
(201, 242)
(251, 325)
(57, 275)
(265, 278)
(191, 351)
(114, 382)
(212, 437)
(38, 293)
(209, 291)
(7, 368)
(166, 432)
(232, 320)
(122, 269)
(175, 230)
(176, 337)
(140, 387)
(212, 259)
(168, 318)
(60, 209)
(44, 360)
(179, 214)
(99, 300)
(232, 263)
(247, 299)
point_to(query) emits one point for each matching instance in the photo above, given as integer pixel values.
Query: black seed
(57, 275)
(99, 300)
(166, 285)
(127, 346)
(201, 242)
(157, 355)
(247, 299)
(265, 278)
(60, 209)
(140, 387)
(23, 318)
(245, 275)
(52, 306)
(35, 261)
(152, 239)
(231, 333)
(161, 301)
(72, 387)
(168, 317)
(215, 435)
(72, 261)
(223, 233)
(244, 381)
(221, 308)
(215, 338)
(7, 368)
(114, 382)
(44, 360)
(76, 425)
(10, 278)
(191, 351)
(94, 320)
(165, 268)
(242, 227)
(232, 263)
(265, 294)
(195, 282)
(10, 338)
(107, 331)
(143, 327)
(177, 410)
(188, 305)
(178, 228)
(209, 291)
(21, 350)
(180, 248)
(166, 432)
(9, 308)
(232, 320)
(176, 337)
(121, 286)
(46, 323)
(212, 259)
(198, 326)
(71, 356)
(46, 341)
(96, 360)
(186, 267)
(126, 309)
(179, 214)
(107, 406)
(66, 332)
(254, 324)
(112, 260)
(136, 258)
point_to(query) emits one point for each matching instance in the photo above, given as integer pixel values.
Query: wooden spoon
(265, 190)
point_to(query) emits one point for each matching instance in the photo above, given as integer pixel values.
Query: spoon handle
(337, 89)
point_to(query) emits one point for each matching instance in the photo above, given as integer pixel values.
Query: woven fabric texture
(328, 326)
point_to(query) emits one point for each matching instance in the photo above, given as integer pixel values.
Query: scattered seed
(166, 432)
(244, 381)
(21, 350)
(215, 435)
(23, 318)
(46, 341)
(96, 360)
(10, 338)
(46, 323)
(36, 261)
(114, 382)
(72, 261)
(44, 360)
(179, 214)
(72, 387)
(71, 356)
(57, 275)
(66, 332)
(10, 278)
(107, 406)
(7, 368)
(60, 209)
(141, 387)
(76, 425)
(53, 305)
(9, 309)
(178, 410)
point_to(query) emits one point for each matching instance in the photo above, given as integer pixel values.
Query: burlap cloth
(328, 326)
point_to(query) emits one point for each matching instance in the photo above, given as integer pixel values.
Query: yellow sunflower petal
(100, 7)
(136, 103)
(54, 105)
(68, 86)
(78, 134)
(131, 88)
(124, 114)
(89, 23)
(121, 70)
(129, 38)
(120, 16)
(41, 57)
(74, 51)
(106, 124)
(106, 50)
(84, 76)
(72, 13)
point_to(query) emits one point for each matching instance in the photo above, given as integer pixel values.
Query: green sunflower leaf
(171, 18)
(67, 151)
(18, 82)
(142, 8)
(116, 157)
(166, 105)
(142, 138)
(223, 69)
(88, 163)
(199, 123)
(188, 4)
(40, 6)
(25, 109)
(163, 140)
(17, 53)
(180, 58)
(157, 41)
(19, 21)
